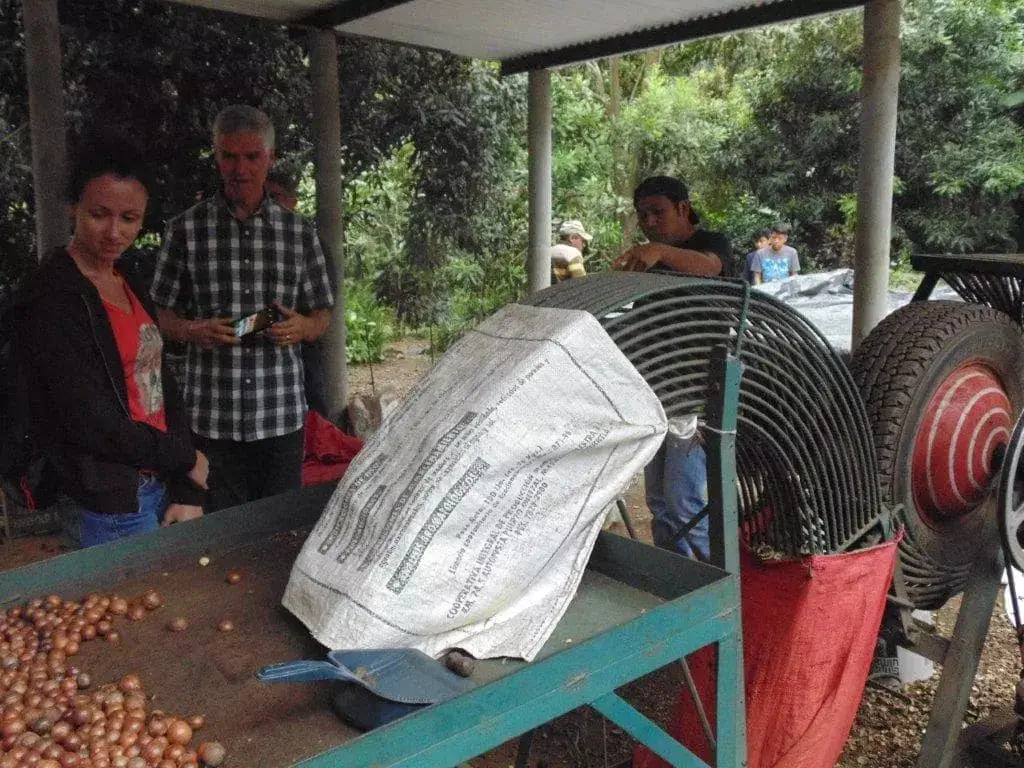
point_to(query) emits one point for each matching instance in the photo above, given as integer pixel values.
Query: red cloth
(327, 451)
(809, 630)
(140, 347)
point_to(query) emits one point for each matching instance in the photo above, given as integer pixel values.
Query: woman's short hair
(241, 118)
(98, 154)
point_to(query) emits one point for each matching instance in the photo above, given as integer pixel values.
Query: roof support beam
(323, 62)
(538, 268)
(719, 24)
(344, 11)
(879, 97)
(46, 118)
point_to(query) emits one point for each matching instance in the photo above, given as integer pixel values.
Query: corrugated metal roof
(530, 33)
(498, 29)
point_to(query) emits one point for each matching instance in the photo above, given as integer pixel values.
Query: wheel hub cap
(966, 419)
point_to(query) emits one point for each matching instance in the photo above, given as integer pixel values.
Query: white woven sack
(468, 518)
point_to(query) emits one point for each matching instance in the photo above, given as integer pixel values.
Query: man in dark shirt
(676, 481)
(677, 241)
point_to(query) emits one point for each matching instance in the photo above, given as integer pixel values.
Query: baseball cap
(574, 227)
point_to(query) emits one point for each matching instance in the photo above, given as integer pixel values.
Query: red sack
(809, 630)
(327, 451)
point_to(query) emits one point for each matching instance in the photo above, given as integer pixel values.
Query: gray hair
(241, 118)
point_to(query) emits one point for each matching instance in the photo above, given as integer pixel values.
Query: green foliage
(959, 154)
(468, 193)
(17, 227)
(902, 277)
(377, 202)
(160, 72)
(369, 324)
(962, 160)
(763, 126)
(612, 130)
(797, 151)
(478, 288)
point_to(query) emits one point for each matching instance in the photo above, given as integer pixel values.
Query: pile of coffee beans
(52, 716)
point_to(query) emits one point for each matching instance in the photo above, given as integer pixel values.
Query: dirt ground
(889, 725)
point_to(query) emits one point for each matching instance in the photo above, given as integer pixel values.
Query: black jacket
(80, 401)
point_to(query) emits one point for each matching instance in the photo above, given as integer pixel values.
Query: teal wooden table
(638, 609)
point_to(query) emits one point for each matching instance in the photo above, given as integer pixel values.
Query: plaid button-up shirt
(213, 265)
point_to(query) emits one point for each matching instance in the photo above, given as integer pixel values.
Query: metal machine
(783, 422)
(942, 381)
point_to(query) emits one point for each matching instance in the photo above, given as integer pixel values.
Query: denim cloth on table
(676, 486)
(97, 528)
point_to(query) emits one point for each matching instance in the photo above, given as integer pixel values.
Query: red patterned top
(140, 346)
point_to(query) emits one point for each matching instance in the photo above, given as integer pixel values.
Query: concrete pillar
(323, 66)
(46, 117)
(879, 97)
(538, 268)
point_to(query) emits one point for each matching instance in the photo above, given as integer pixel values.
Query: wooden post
(46, 117)
(329, 215)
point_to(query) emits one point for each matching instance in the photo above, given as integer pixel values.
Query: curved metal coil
(806, 468)
(929, 582)
(1001, 292)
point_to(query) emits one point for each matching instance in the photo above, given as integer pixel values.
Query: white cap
(574, 227)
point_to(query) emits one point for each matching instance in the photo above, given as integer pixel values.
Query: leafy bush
(478, 288)
(369, 324)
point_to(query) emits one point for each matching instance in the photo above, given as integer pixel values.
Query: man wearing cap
(567, 254)
(676, 480)
(777, 261)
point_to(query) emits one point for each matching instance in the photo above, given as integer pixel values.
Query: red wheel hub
(967, 417)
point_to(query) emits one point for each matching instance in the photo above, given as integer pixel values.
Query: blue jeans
(676, 485)
(100, 528)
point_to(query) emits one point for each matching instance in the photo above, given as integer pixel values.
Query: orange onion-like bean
(212, 753)
(179, 732)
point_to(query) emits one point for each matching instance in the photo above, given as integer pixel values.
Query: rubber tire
(898, 368)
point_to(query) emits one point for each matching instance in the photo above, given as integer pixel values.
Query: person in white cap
(567, 255)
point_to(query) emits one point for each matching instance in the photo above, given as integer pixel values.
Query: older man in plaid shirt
(223, 259)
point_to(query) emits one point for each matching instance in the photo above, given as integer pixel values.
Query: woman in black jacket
(105, 410)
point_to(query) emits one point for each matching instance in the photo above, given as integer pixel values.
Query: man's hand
(297, 327)
(292, 330)
(628, 262)
(206, 333)
(214, 332)
(200, 472)
(180, 513)
(640, 258)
